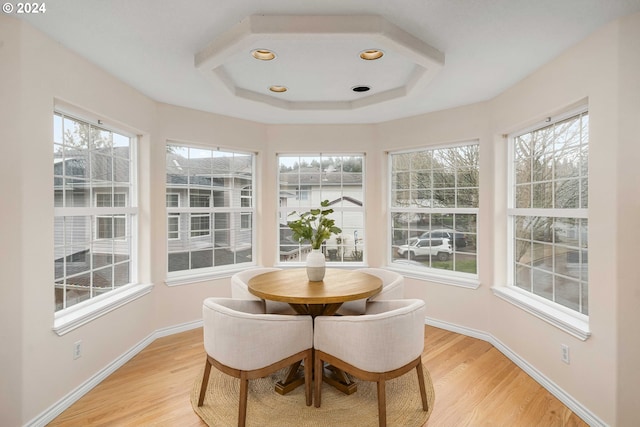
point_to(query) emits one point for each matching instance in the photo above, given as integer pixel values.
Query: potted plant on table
(315, 227)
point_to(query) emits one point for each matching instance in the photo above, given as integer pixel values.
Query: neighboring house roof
(179, 165)
(314, 176)
(346, 199)
(203, 171)
(106, 165)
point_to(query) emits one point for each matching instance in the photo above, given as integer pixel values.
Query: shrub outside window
(548, 211)
(434, 209)
(304, 181)
(209, 198)
(95, 210)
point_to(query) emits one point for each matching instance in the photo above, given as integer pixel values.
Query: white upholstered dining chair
(384, 343)
(240, 290)
(243, 341)
(392, 288)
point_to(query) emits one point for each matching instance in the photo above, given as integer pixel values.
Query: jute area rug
(266, 408)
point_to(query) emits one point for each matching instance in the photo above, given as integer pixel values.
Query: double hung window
(95, 210)
(210, 205)
(434, 209)
(304, 181)
(173, 219)
(548, 207)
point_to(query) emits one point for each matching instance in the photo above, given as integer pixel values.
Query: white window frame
(446, 277)
(200, 232)
(114, 227)
(564, 318)
(177, 199)
(70, 318)
(202, 197)
(116, 204)
(187, 276)
(244, 220)
(177, 216)
(246, 198)
(304, 194)
(113, 218)
(175, 232)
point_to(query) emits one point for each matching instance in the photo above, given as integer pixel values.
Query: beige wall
(457, 305)
(34, 71)
(587, 71)
(12, 294)
(45, 71)
(627, 234)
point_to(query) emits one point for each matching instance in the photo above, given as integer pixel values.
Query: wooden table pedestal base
(331, 375)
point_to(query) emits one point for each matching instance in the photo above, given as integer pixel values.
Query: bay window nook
(513, 217)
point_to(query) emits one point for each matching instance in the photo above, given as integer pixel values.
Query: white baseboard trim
(56, 409)
(52, 412)
(579, 409)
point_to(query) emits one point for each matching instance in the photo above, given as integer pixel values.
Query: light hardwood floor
(475, 385)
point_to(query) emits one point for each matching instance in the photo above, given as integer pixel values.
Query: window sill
(573, 324)
(69, 319)
(442, 278)
(189, 278)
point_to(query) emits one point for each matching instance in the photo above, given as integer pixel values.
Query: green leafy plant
(314, 226)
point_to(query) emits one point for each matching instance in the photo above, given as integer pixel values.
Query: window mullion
(555, 213)
(304, 181)
(88, 165)
(206, 189)
(555, 243)
(426, 220)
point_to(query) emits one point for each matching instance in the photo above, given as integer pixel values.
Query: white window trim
(173, 194)
(280, 209)
(199, 215)
(119, 193)
(113, 228)
(177, 231)
(567, 320)
(244, 197)
(444, 277)
(243, 215)
(71, 318)
(570, 321)
(186, 277)
(170, 193)
(199, 197)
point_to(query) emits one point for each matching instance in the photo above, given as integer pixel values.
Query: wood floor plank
(475, 385)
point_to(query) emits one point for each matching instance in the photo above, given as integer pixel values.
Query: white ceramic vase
(315, 265)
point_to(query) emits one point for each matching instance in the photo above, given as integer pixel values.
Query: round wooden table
(316, 299)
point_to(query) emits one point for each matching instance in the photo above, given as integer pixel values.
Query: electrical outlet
(564, 353)
(77, 350)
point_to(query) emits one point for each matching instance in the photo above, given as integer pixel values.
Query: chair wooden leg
(244, 392)
(382, 403)
(423, 390)
(205, 382)
(317, 373)
(308, 372)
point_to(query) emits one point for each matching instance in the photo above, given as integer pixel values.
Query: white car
(417, 247)
(458, 238)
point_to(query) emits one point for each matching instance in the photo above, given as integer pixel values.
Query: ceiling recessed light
(278, 89)
(371, 54)
(263, 54)
(360, 88)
